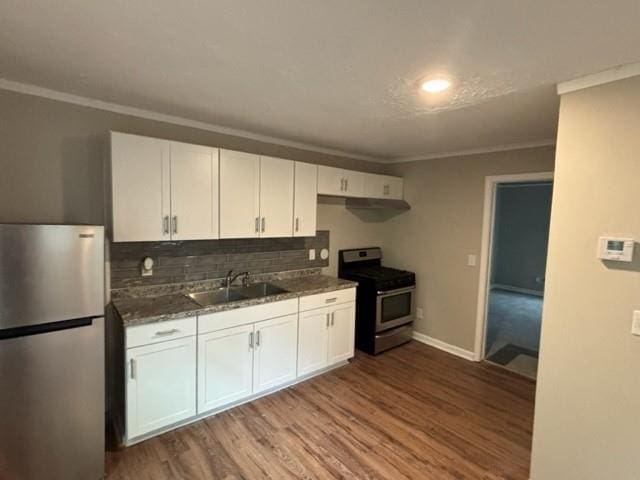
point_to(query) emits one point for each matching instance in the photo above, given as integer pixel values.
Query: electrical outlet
(471, 260)
(635, 323)
(419, 312)
(312, 254)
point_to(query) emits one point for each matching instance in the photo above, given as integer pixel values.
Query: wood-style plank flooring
(412, 413)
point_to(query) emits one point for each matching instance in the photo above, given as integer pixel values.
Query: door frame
(488, 218)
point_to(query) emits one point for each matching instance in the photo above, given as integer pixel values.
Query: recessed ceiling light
(435, 85)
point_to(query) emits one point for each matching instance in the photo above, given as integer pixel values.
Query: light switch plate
(635, 324)
(312, 254)
(419, 312)
(471, 260)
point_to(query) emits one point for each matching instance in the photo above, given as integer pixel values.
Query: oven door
(395, 308)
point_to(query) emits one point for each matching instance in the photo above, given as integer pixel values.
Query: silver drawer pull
(132, 371)
(330, 300)
(164, 333)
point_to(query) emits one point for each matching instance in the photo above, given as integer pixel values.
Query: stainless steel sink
(261, 289)
(224, 295)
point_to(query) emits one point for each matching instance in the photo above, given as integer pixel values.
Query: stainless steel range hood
(376, 204)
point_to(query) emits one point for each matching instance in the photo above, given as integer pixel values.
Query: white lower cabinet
(275, 353)
(326, 337)
(161, 385)
(230, 356)
(225, 366)
(313, 340)
(341, 333)
(235, 363)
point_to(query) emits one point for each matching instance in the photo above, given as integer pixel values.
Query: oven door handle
(397, 291)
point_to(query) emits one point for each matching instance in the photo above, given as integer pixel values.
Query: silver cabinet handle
(297, 224)
(330, 300)
(164, 333)
(346, 184)
(258, 338)
(132, 368)
(165, 224)
(175, 224)
(342, 184)
(257, 224)
(263, 223)
(328, 319)
(332, 318)
(250, 339)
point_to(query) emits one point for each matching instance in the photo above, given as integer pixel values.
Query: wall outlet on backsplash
(146, 267)
(312, 254)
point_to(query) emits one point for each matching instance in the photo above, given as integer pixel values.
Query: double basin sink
(233, 294)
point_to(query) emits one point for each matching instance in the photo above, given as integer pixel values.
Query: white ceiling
(331, 73)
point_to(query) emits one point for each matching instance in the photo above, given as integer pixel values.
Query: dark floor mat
(507, 353)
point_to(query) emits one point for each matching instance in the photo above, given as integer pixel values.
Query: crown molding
(37, 91)
(476, 151)
(607, 76)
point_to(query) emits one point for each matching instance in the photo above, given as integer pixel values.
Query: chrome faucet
(230, 278)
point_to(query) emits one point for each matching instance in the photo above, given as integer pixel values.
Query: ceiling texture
(337, 74)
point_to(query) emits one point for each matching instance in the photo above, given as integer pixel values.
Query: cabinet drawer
(160, 331)
(327, 299)
(241, 316)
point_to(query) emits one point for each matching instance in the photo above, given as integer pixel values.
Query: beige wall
(351, 228)
(587, 419)
(443, 226)
(52, 155)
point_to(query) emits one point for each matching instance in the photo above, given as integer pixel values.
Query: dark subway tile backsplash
(188, 261)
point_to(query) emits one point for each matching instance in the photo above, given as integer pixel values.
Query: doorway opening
(514, 271)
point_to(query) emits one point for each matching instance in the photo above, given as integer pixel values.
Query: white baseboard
(439, 344)
(509, 288)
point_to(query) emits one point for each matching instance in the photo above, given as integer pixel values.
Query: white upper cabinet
(382, 186)
(256, 196)
(305, 199)
(330, 181)
(276, 197)
(194, 192)
(163, 190)
(141, 188)
(337, 181)
(239, 194)
(353, 183)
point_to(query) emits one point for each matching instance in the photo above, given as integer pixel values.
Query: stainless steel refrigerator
(51, 352)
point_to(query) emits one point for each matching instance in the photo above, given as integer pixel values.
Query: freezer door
(50, 273)
(52, 404)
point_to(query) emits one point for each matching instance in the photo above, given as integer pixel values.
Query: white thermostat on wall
(616, 249)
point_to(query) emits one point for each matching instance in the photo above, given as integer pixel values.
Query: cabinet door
(276, 197)
(276, 351)
(353, 183)
(394, 188)
(305, 200)
(374, 185)
(140, 188)
(161, 385)
(239, 194)
(330, 181)
(341, 333)
(194, 192)
(225, 364)
(313, 332)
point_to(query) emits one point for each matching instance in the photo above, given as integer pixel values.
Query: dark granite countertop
(151, 309)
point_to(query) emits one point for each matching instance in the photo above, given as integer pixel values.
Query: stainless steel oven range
(385, 299)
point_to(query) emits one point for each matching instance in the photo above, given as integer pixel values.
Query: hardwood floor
(414, 412)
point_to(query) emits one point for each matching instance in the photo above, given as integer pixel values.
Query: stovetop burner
(365, 266)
